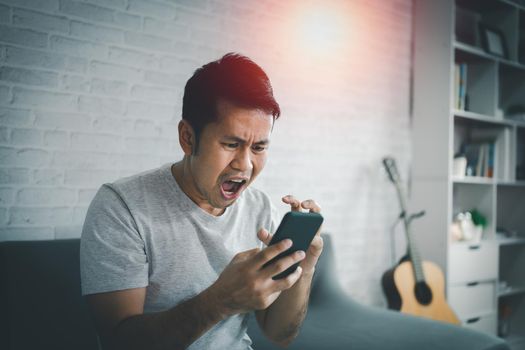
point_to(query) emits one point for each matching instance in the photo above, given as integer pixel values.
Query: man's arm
(122, 325)
(243, 286)
(282, 320)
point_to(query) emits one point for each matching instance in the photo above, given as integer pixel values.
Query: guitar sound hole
(423, 293)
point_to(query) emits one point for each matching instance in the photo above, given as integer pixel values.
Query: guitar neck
(415, 257)
(413, 253)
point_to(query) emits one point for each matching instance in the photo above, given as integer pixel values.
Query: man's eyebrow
(239, 140)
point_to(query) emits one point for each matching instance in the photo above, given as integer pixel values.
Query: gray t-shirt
(144, 231)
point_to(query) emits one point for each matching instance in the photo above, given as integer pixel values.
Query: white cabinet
(472, 281)
(473, 299)
(473, 262)
(485, 323)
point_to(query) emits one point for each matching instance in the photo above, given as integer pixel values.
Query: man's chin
(228, 202)
(219, 203)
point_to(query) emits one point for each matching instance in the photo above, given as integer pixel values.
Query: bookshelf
(468, 101)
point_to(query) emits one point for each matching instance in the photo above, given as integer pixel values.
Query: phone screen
(301, 229)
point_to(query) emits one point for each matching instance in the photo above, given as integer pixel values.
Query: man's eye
(259, 148)
(232, 145)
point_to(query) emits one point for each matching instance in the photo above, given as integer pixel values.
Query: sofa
(336, 321)
(41, 308)
(40, 302)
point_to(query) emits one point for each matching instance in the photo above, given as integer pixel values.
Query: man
(173, 258)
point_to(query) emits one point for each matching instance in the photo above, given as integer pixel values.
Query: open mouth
(231, 188)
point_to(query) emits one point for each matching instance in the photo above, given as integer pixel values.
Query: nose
(243, 161)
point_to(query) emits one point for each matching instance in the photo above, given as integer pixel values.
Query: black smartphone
(301, 229)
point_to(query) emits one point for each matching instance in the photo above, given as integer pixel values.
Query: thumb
(245, 254)
(264, 236)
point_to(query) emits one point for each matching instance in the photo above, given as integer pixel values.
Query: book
(456, 86)
(471, 151)
(500, 145)
(480, 158)
(461, 83)
(490, 160)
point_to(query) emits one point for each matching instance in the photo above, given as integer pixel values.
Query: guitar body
(399, 286)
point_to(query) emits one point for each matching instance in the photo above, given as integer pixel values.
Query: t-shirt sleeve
(112, 251)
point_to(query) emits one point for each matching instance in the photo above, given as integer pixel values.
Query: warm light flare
(322, 43)
(320, 31)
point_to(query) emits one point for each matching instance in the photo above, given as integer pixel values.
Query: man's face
(232, 151)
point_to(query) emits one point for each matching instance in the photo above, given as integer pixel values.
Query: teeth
(237, 181)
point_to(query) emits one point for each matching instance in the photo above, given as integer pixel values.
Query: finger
(294, 202)
(246, 254)
(288, 281)
(316, 247)
(283, 263)
(311, 205)
(264, 236)
(272, 251)
(312, 256)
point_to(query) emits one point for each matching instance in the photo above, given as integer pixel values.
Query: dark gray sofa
(335, 321)
(40, 302)
(41, 308)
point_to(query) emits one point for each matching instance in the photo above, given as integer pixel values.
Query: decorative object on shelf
(516, 112)
(478, 218)
(459, 166)
(455, 231)
(468, 226)
(503, 233)
(493, 41)
(504, 287)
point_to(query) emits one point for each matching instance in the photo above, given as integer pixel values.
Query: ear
(186, 137)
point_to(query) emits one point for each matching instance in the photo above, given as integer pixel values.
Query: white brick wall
(90, 91)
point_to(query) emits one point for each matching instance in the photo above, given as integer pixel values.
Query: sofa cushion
(40, 302)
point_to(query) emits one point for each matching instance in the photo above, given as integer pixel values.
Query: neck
(182, 173)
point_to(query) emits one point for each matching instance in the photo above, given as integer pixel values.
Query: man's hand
(316, 247)
(282, 320)
(245, 285)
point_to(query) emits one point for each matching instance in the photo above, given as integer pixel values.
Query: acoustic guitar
(414, 286)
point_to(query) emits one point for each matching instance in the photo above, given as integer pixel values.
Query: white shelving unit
(447, 33)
